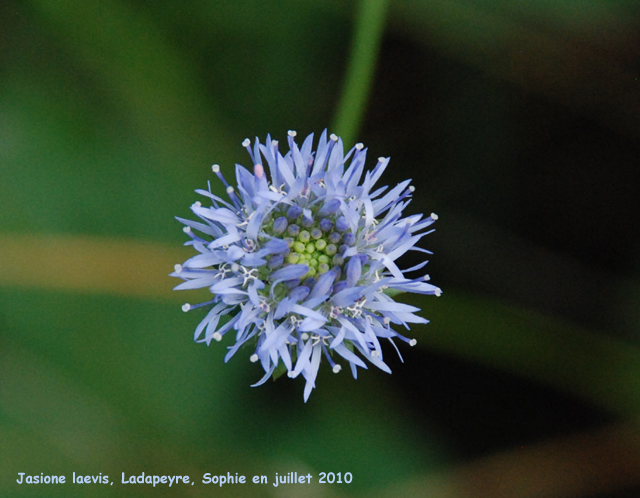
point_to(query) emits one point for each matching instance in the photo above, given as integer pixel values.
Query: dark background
(518, 123)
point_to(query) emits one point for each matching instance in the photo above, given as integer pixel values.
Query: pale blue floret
(300, 259)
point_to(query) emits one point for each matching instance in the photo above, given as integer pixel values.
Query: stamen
(264, 306)
(334, 366)
(186, 307)
(253, 358)
(335, 311)
(290, 138)
(248, 275)
(217, 336)
(246, 143)
(234, 198)
(177, 268)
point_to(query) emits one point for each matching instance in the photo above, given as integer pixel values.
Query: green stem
(364, 50)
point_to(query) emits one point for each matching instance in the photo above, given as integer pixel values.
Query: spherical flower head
(300, 260)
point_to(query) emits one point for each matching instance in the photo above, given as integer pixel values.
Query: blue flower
(302, 265)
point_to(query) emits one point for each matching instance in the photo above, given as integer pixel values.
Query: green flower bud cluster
(316, 243)
(318, 253)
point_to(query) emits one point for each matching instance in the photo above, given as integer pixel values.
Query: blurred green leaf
(600, 369)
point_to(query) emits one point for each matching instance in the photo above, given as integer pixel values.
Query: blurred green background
(518, 122)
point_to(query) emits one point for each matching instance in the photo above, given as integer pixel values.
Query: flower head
(301, 265)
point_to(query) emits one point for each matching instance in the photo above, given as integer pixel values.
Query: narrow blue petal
(354, 271)
(346, 297)
(342, 350)
(303, 359)
(329, 207)
(310, 324)
(290, 272)
(312, 371)
(323, 285)
(265, 378)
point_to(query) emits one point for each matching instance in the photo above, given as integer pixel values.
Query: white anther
(246, 142)
(356, 309)
(304, 336)
(333, 137)
(359, 146)
(186, 307)
(177, 268)
(253, 358)
(291, 133)
(412, 188)
(336, 368)
(264, 306)
(434, 216)
(235, 267)
(290, 374)
(413, 342)
(215, 168)
(335, 311)
(229, 189)
(197, 204)
(217, 336)
(375, 354)
(186, 229)
(438, 292)
(427, 278)
(248, 274)
(386, 320)
(274, 143)
(381, 159)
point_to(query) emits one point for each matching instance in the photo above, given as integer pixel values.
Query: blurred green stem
(364, 50)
